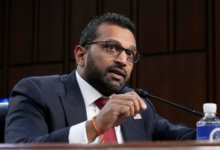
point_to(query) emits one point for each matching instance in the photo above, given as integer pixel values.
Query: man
(68, 108)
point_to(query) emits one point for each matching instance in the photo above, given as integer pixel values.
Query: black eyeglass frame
(138, 54)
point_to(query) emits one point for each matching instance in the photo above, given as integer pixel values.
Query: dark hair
(90, 32)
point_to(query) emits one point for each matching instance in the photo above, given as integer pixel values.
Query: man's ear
(80, 55)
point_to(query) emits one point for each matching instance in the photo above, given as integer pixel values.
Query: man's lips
(117, 73)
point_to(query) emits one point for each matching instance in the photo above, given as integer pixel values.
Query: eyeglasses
(115, 49)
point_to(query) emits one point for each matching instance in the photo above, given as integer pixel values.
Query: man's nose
(122, 58)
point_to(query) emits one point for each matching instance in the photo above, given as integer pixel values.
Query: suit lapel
(74, 107)
(73, 102)
(132, 130)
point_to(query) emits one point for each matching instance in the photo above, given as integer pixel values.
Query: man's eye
(111, 47)
(130, 53)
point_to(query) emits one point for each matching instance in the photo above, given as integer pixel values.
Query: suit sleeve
(163, 130)
(26, 121)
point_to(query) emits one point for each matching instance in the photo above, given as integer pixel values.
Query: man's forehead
(116, 33)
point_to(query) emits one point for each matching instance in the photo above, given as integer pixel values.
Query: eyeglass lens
(113, 48)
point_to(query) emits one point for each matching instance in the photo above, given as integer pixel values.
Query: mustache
(116, 66)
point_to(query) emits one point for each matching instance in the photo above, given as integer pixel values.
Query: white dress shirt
(77, 133)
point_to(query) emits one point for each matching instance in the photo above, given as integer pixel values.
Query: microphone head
(142, 93)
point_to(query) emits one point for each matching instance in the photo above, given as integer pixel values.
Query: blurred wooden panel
(179, 78)
(2, 21)
(190, 24)
(18, 73)
(51, 30)
(115, 6)
(21, 26)
(82, 12)
(210, 51)
(72, 66)
(1, 86)
(217, 51)
(152, 26)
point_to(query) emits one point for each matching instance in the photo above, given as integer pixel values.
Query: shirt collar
(89, 93)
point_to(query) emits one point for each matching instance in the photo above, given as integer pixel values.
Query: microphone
(145, 94)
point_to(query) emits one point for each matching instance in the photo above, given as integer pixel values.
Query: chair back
(3, 113)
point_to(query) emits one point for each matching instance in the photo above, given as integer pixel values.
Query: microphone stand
(145, 94)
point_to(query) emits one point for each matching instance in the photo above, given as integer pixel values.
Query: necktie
(109, 136)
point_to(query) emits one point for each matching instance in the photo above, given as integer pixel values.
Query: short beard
(97, 79)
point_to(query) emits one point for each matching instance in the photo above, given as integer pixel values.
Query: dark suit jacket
(42, 109)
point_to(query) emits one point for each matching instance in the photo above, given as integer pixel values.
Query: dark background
(179, 40)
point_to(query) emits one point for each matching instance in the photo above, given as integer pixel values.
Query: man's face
(107, 73)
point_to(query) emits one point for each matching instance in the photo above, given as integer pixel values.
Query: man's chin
(116, 85)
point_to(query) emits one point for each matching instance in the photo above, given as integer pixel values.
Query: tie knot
(101, 102)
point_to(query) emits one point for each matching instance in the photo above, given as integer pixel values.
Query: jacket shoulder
(41, 83)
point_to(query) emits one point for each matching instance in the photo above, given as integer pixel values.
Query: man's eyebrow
(114, 41)
(131, 46)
